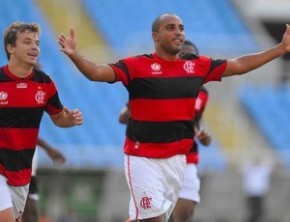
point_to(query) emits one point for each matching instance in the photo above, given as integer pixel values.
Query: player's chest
(22, 94)
(157, 69)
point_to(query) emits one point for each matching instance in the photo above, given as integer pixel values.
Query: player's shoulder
(188, 56)
(137, 59)
(41, 76)
(140, 57)
(2, 74)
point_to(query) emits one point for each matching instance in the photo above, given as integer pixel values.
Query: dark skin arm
(236, 66)
(56, 156)
(124, 115)
(247, 63)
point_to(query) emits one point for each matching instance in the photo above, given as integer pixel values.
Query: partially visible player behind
(189, 195)
(31, 207)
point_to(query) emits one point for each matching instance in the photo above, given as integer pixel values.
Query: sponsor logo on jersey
(156, 69)
(3, 98)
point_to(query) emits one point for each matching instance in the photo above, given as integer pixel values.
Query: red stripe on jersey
(201, 103)
(19, 178)
(157, 150)
(162, 110)
(192, 158)
(19, 131)
(137, 73)
(18, 139)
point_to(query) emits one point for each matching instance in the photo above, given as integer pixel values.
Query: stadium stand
(215, 26)
(99, 141)
(269, 107)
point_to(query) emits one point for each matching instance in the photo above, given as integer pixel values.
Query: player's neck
(166, 56)
(21, 70)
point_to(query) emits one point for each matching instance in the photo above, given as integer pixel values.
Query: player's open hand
(68, 45)
(203, 137)
(57, 157)
(286, 39)
(74, 116)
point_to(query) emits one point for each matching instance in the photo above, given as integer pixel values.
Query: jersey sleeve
(54, 105)
(201, 101)
(215, 68)
(122, 71)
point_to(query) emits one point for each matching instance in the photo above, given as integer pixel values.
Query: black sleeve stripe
(55, 101)
(216, 63)
(121, 65)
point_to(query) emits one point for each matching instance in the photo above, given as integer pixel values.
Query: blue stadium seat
(269, 107)
(215, 26)
(99, 103)
(211, 158)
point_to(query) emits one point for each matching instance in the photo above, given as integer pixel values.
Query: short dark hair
(189, 43)
(10, 35)
(157, 21)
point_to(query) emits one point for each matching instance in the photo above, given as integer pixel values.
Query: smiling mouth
(178, 41)
(34, 56)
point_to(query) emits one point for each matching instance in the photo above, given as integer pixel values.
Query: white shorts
(154, 185)
(191, 184)
(12, 196)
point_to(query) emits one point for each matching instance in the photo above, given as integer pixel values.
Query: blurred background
(248, 116)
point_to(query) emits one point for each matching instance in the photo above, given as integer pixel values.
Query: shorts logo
(145, 202)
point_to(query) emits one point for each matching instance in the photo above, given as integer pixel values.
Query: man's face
(26, 48)
(170, 35)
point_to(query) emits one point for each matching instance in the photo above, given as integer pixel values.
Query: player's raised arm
(250, 62)
(91, 70)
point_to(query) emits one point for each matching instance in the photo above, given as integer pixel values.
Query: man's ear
(155, 36)
(10, 48)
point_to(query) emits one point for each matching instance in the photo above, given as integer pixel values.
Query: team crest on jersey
(156, 69)
(39, 97)
(189, 67)
(3, 98)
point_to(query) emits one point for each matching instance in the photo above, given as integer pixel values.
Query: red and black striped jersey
(200, 104)
(22, 103)
(162, 97)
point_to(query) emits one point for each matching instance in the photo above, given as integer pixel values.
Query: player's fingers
(72, 32)
(196, 130)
